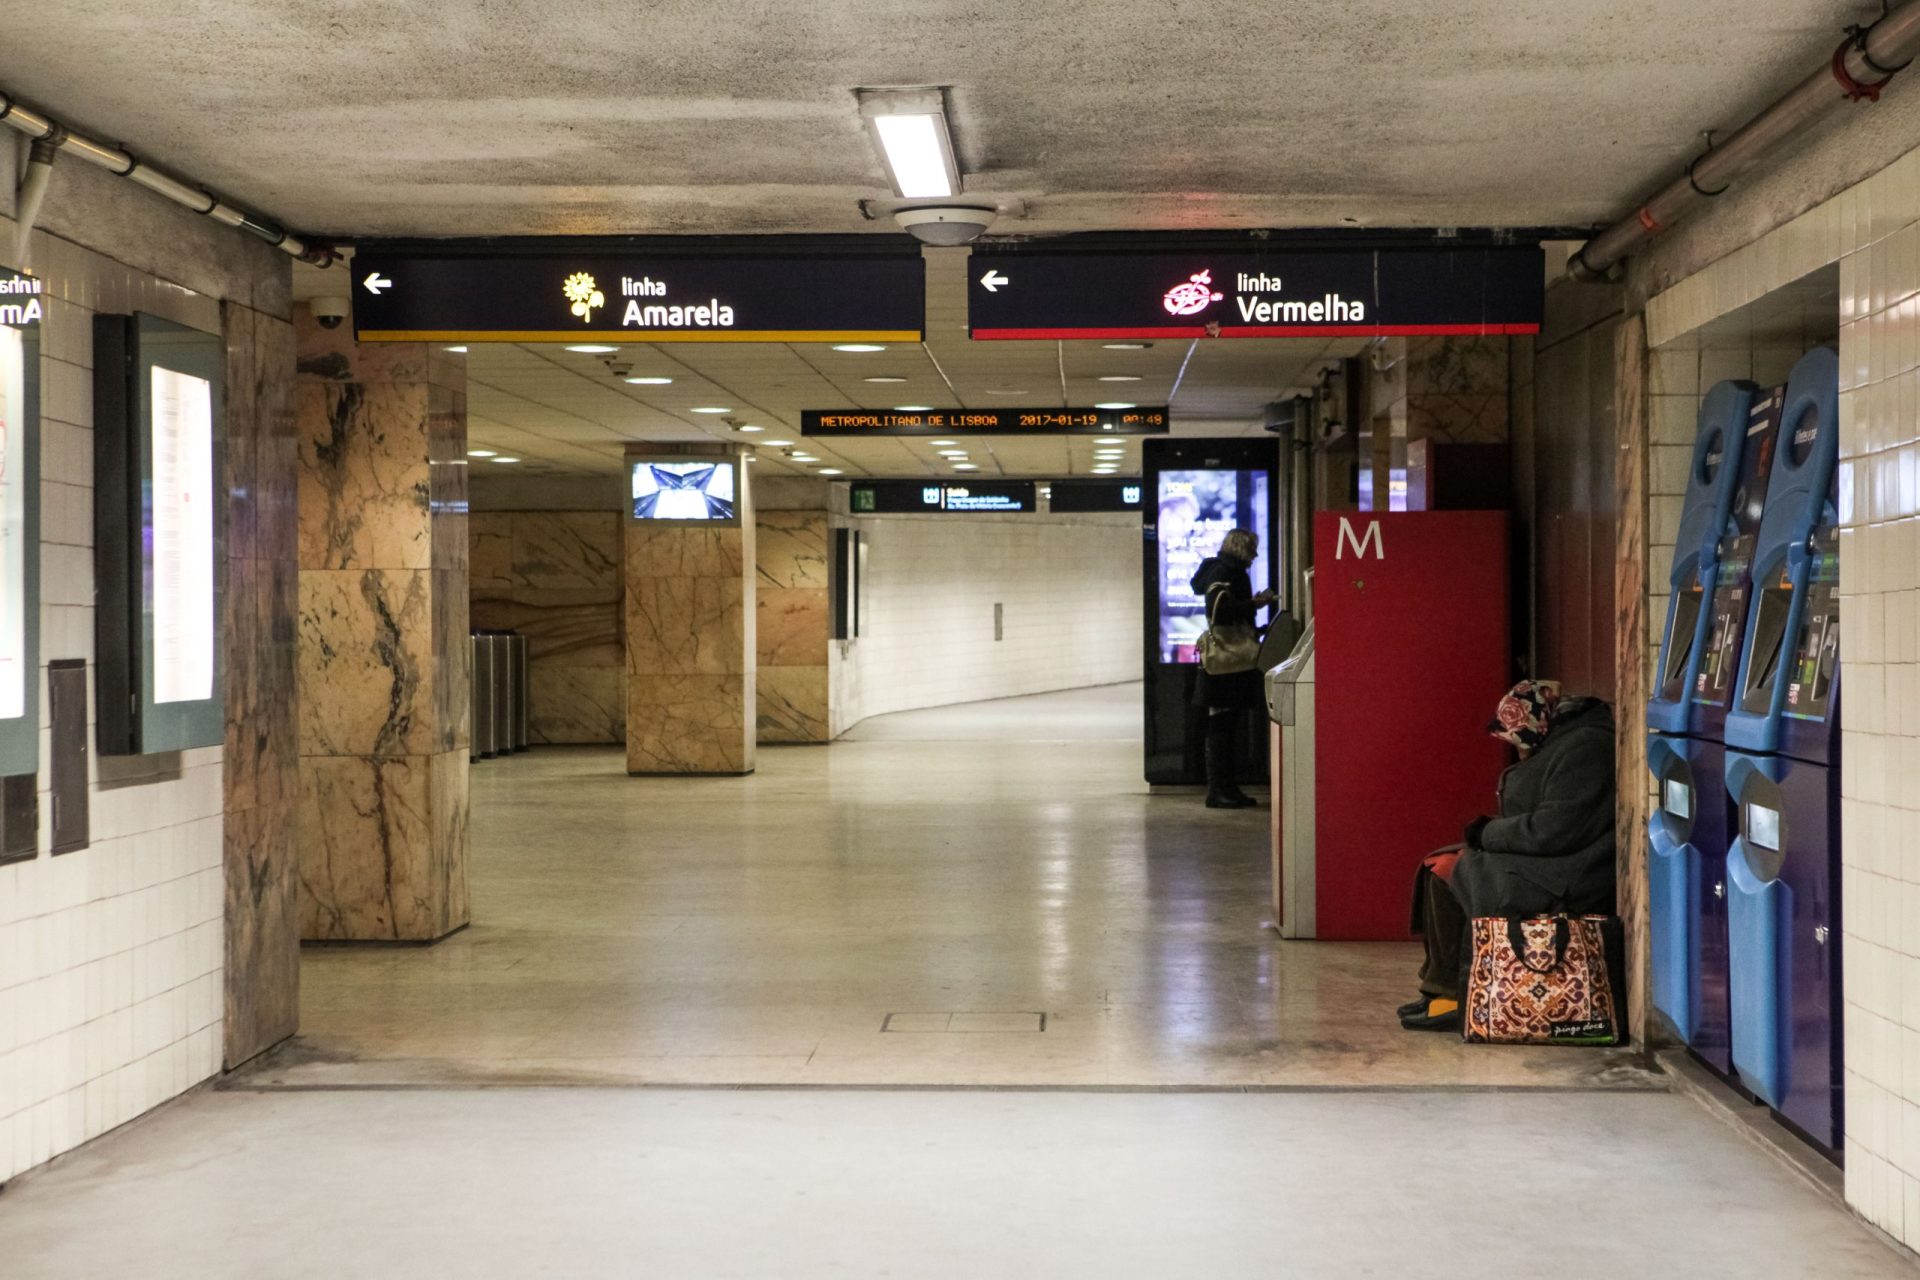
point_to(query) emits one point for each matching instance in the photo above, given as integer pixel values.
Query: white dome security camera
(946, 224)
(331, 313)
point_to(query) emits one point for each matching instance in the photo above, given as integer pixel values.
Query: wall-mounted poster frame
(159, 535)
(22, 310)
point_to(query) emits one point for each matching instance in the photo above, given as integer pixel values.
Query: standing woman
(1222, 582)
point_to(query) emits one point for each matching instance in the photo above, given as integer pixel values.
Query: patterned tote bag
(1549, 980)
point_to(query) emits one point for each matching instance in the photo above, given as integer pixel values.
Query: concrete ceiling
(563, 412)
(465, 117)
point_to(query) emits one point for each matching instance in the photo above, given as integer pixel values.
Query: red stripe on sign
(1268, 331)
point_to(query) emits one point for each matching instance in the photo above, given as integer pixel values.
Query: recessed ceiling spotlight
(458, 351)
(1105, 471)
(776, 444)
(913, 408)
(953, 453)
(965, 466)
(1007, 391)
(593, 349)
(885, 378)
(482, 453)
(506, 459)
(1126, 346)
(1119, 377)
(831, 471)
(748, 426)
(650, 381)
(858, 348)
(720, 408)
(1111, 404)
(938, 443)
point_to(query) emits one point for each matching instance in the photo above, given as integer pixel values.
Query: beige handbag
(1230, 648)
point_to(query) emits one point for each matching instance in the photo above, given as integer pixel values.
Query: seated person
(1550, 850)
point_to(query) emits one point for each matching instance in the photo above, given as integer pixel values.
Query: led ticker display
(984, 422)
(914, 497)
(1196, 293)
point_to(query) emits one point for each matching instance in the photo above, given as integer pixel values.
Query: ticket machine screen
(1679, 799)
(1763, 826)
(1680, 638)
(1196, 509)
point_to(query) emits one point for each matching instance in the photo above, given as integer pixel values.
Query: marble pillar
(555, 577)
(1452, 389)
(383, 657)
(794, 611)
(260, 617)
(690, 641)
(1632, 685)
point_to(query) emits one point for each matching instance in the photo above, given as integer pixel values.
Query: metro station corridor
(976, 895)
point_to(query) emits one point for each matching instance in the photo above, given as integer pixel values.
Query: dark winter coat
(1551, 848)
(1242, 690)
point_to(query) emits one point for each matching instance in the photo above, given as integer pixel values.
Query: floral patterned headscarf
(1526, 713)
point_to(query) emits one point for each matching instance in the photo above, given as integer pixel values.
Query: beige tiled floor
(963, 878)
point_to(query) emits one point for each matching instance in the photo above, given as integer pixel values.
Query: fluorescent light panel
(910, 127)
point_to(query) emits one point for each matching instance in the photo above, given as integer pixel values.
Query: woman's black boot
(1222, 792)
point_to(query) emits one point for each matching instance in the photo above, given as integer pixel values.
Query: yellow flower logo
(584, 294)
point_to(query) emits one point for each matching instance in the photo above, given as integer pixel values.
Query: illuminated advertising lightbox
(157, 535)
(22, 308)
(683, 490)
(1196, 510)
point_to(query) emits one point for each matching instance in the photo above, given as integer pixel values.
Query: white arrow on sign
(376, 282)
(992, 281)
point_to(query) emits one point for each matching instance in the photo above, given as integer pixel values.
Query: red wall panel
(1411, 657)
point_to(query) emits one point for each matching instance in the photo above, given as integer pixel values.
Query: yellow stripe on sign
(640, 335)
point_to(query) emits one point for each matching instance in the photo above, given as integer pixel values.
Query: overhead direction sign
(639, 297)
(1278, 294)
(910, 497)
(1137, 421)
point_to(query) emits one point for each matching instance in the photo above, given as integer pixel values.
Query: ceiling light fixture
(592, 349)
(506, 459)
(910, 128)
(965, 466)
(1006, 391)
(458, 351)
(482, 453)
(650, 382)
(1126, 346)
(1111, 404)
(858, 348)
(938, 443)
(776, 444)
(884, 378)
(1119, 377)
(953, 453)
(913, 408)
(748, 426)
(831, 471)
(720, 408)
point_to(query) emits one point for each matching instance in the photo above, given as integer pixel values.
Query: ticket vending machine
(1783, 774)
(1687, 832)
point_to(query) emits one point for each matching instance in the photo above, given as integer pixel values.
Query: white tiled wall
(1873, 231)
(1070, 591)
(110, 957)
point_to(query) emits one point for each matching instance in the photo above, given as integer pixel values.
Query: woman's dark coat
(1551, 848)
(1242, 690)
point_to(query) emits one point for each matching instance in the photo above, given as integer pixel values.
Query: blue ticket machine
(1783, 775)
(1688, 839)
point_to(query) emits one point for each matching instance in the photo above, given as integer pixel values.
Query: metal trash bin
(521, 694)
(482, 696)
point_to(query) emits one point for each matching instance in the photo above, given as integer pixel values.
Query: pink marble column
(383, 657)
(690, 641)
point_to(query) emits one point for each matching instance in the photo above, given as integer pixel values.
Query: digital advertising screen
(679, 489)
(1196, 509)
(180, 535)
(13, 523)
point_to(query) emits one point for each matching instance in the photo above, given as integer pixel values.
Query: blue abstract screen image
(684, 491)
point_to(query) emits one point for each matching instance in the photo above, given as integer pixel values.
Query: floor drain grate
(964, 1023)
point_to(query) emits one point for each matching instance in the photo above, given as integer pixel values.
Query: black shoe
(1229, 800)
(1415, 1006)
(1448, 1021)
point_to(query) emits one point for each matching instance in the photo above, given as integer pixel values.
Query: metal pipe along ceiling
(1863, 63)
(41, 127)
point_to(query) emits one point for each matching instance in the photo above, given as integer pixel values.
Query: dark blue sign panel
(1239, 294)
(643, 296)
(911, 497)
(1095, 495)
